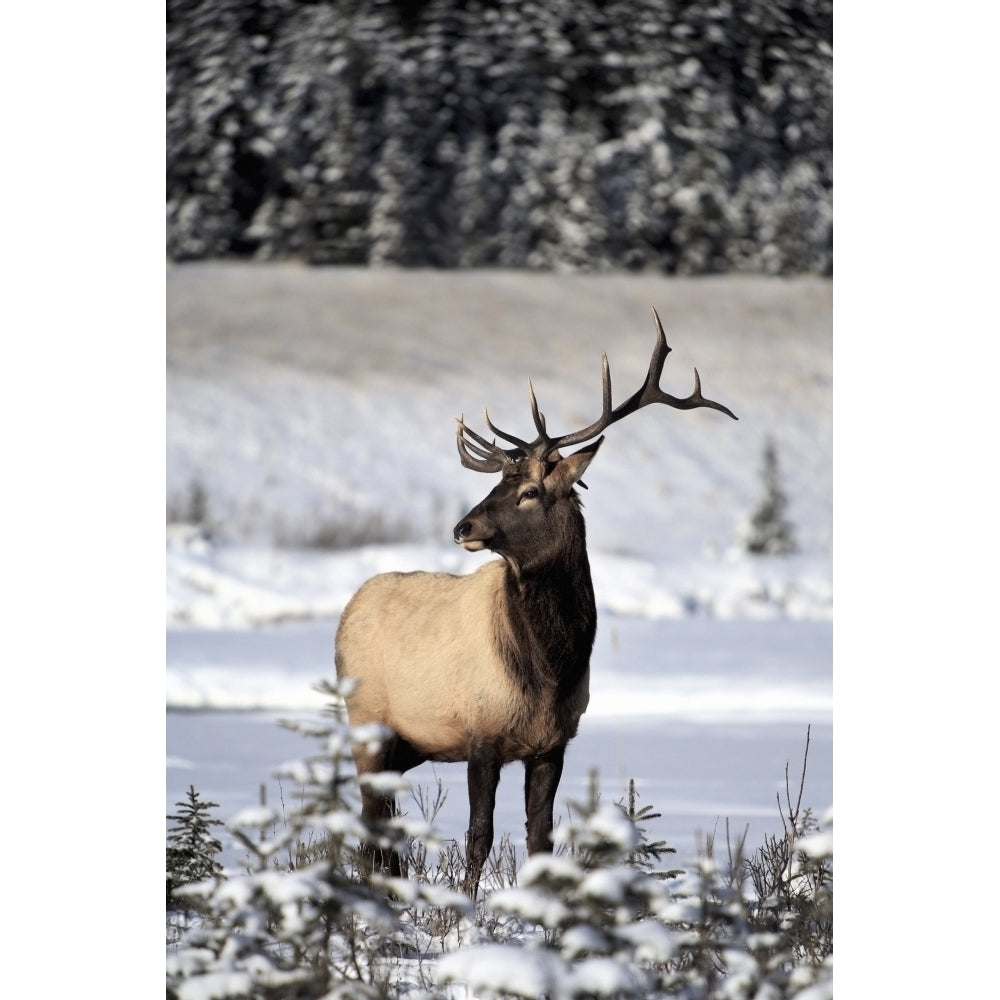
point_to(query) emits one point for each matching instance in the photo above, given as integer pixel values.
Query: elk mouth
(471, 540)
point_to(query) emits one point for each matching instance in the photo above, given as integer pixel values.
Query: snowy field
(310, 428)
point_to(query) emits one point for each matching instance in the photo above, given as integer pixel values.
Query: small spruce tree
(769, 531)
(192, 851)
(645, 853)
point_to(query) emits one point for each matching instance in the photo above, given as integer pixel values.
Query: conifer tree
(646, 853)
(192, 851)
(770, 532)
(689, 138)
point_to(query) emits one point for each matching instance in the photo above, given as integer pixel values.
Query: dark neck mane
(551, 615)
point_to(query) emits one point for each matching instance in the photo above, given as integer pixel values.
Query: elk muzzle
(472, 533)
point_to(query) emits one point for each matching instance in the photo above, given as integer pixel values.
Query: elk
(491, 667)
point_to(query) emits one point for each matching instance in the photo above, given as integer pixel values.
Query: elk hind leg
(541, 779)
(395, 754)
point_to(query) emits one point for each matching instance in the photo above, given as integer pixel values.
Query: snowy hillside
(311, 423)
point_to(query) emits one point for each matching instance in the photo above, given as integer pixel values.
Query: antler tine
(541, 445)
(477, 453)
(521, 445)
(696, 399)
(660, 352)
(539, 418)
(606, 417)
(479, 450)
(650, 391)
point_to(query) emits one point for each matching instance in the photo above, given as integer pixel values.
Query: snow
(819, 845)
(581, 939)
(220, 586)
(607, 886)
(215, 985)
(490, 968)
(529, 904)
(493, 970)
(548, 868)
(310, 428)
(259, 816)
(650, 939)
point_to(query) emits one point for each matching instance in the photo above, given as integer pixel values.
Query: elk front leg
(541, 779)
(484, 775)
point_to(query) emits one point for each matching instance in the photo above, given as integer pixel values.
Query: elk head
(519, 513)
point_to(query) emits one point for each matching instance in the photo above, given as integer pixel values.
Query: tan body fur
(425, 649)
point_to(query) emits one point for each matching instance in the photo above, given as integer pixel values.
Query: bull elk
(494, 666)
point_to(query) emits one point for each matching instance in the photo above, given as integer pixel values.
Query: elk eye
(529, 494)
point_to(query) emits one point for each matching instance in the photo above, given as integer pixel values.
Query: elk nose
(463, 530)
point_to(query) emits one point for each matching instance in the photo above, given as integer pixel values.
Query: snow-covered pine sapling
(645, 853)
(312, 928)
(192, 851)
(769, 531)
(290, 930)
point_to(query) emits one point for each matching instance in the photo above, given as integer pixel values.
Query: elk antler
(486, 456)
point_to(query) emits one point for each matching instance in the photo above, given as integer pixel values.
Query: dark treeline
(690, 137)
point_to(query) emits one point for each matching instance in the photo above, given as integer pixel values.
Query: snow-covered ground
(310, 426)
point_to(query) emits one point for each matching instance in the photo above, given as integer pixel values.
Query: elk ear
(569, 470)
